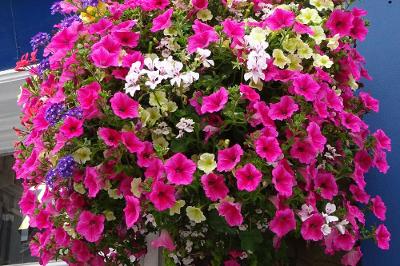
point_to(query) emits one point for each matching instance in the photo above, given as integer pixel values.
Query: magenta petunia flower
(215, 102)
(306, 86)
(92, 181)
(283, 222)
(311, 228)
(72, 127)
(132, 210)
(155, 169)
(200, 4)
(249, 93)
(283, 179)
(163, 21)
(80, 251)
(233, 29)
(379, 208)
(90, 226)
(380, 161)
(229, 158)
(123, 106)
(28, 202)
(352, 257)
(146, 156)
(164, 240)
(87, 97)
(102, 58)
(283, 109)
(359, 31)
(150, 5)
(268, 148)
(111, 137)
(340, 22)
(248, 177)
(280, 19)
(231, 212)
(382, 140)
(315, 136)
(382, 237)
(326, 183)
(162, 196)
(304, 151)
(344, 241)
(300, 28)
(369, 102)
(362, 160)
(180, 169)
(359, 194)
(214, 186)
(132, 143)
(203, 37)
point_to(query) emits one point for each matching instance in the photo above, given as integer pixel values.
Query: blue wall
(19, 21)
(382, 52)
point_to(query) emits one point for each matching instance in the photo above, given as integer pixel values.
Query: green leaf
(250, 239)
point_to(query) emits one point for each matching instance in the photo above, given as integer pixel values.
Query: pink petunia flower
(163, 21)
(102, 58)
(229, 158)
(369, 102)
(131, 142)
(306, 86)
(280, 19)
(92, 181)
(214, 186)
(344, 241)
(72, 127)
(359, 194)
(304, 151)
(215, 102)
(203, 37)
(311, 228)
(340, 22)
(300, 28)
(200, 4)
(248, 177)
(162, 196)
(326, 183)
(180, 169)
(155, 170)
(123, 106)
(283, 109)
(80, 251)
(132, 210)
(283, 222)
(382, 140)
(283, 179)
(352, 257)
(268, 148)
(146, 156)
(315, 136)
(28, 202)
(379, 208)
(231, 212)
(111, 137)
(90, 226)
(359, 30)
(380, 161)
(150, 5)
(382, 237)
(233, 29)
(164, 240)
(362, 160)
(249, 93)
(126, 38)
(87, 97)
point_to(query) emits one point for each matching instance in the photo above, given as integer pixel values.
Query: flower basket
(232, 130)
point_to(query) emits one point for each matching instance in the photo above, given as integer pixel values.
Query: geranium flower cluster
(226, 128)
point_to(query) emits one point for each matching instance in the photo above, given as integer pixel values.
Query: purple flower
(66, 166)
(50, 177)
(55, 113)
(86, 3)
(76, 112)
(66, 22)
(43, 66)
(56, 8)
(39, 40)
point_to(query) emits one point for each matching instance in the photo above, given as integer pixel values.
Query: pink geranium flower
(379, 208)
(131, 142)
(283, 109)
(72, 127)
(111, 137)
(162, 196)
(214, 186)
(163, 21)
(340, 22)
(326, 183)
(180, 169)
(304, 151)
(268, 148)
(123, 106)
(280, 19)
(306, 86)
(131, 210)
(382, 237)
(215, 102)
(382, 140)
(164, 240)
(315, 136)
(228, 158)
(248, 177)
(90, 226)
(231, 212)
(311, 228)
(369, 102)
(233, 29)
(283, 222)
(92, 181)
(283, 179)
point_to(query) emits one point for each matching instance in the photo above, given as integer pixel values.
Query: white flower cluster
(184, 125)
(155, 71)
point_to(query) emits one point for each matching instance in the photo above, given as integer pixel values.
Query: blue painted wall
(382, 52)
(19, 21)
